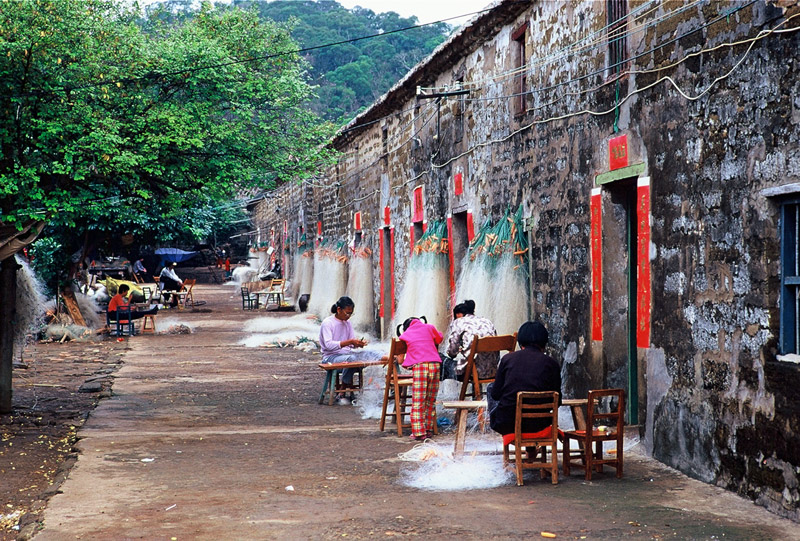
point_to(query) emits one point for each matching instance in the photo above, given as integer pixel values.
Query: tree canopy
(110, 122)
(352, 75)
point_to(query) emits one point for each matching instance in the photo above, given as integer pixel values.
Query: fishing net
(29, 305)
(360, 289)
(495, 273)
(302, 280)
(330, 277)
(426, 288)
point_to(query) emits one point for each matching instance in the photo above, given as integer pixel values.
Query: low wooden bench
(462, 408)
(332, 378)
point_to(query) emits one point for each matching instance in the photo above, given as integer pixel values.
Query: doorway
(620, 265)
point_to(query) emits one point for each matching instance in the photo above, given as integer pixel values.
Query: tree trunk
(8, 316)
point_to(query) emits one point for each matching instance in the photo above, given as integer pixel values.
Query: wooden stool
(149, 328)
(462, 408)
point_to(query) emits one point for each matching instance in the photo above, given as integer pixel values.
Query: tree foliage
(110, 123)
(352, 75)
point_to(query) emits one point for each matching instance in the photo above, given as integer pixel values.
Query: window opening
(617, 22)
(520, 63)
(790, 277)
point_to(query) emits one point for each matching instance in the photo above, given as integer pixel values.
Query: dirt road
(202, 437)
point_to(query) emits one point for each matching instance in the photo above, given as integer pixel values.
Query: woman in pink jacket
(423, 360)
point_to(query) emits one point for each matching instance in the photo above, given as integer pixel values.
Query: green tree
(364, 69)
(110, 124)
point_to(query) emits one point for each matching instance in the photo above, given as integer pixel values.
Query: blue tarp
(174, 254)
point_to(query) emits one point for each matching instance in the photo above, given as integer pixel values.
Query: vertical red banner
(451, 260)
(458, 184)
(470, 226)
(411, 239)
(643, 295)
(357, 221)
(596, 208)
(418, 207)
(387, 216)
(391, 267)
(382, 265)
(319, 234)
(618, 152)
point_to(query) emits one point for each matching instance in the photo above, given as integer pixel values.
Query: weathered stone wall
(712, 399)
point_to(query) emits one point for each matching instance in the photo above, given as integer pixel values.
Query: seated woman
(121, 300)
(337, 340)
(464, 327)
(529, 369)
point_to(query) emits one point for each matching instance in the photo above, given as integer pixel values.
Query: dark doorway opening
(620, 266)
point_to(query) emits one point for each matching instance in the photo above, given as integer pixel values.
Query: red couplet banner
(596, 253)
(643, 295)
(418, 213)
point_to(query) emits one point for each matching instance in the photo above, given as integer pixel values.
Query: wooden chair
(534, 405)
(504, 342)
(185, 294)
(249, 302)
(275, 292)
(400, 385)
(601, 426)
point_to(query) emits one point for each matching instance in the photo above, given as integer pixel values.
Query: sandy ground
(203, 438)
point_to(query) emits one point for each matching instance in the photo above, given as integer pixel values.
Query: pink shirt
(331, 335)
(421, 339)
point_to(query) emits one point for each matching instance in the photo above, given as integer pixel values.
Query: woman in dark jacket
(529, 369)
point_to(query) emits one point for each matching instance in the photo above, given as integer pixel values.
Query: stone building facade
(655, 148)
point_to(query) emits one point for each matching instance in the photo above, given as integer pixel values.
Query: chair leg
(385, 404)
(325, 386)
(518, 463)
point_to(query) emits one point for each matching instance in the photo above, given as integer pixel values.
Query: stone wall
(711, 398)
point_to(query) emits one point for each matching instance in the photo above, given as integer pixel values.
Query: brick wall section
(713, 400)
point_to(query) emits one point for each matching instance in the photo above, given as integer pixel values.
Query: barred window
(617, 24)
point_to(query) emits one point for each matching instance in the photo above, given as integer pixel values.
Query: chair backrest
(188, 284)
(504, 342)
(277, 285)
(606, 407)
(398, 347)
(245, 291)
(536, 405)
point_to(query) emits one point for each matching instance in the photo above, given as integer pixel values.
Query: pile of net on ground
(494, 273)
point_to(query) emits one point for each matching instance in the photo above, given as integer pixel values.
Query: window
(385, 145)
(458, 133)
(790, 277)
(520, 88)
(617, 21)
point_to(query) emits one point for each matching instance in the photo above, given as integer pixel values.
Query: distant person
(170, 282)
(121, 300)
(228, 267)
(465, 326)
(337, 341)
(423, 359)
(528, 369)
(139, 270)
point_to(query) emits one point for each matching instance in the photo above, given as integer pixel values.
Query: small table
(462, 408)
(332, 377)
(578, 407)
